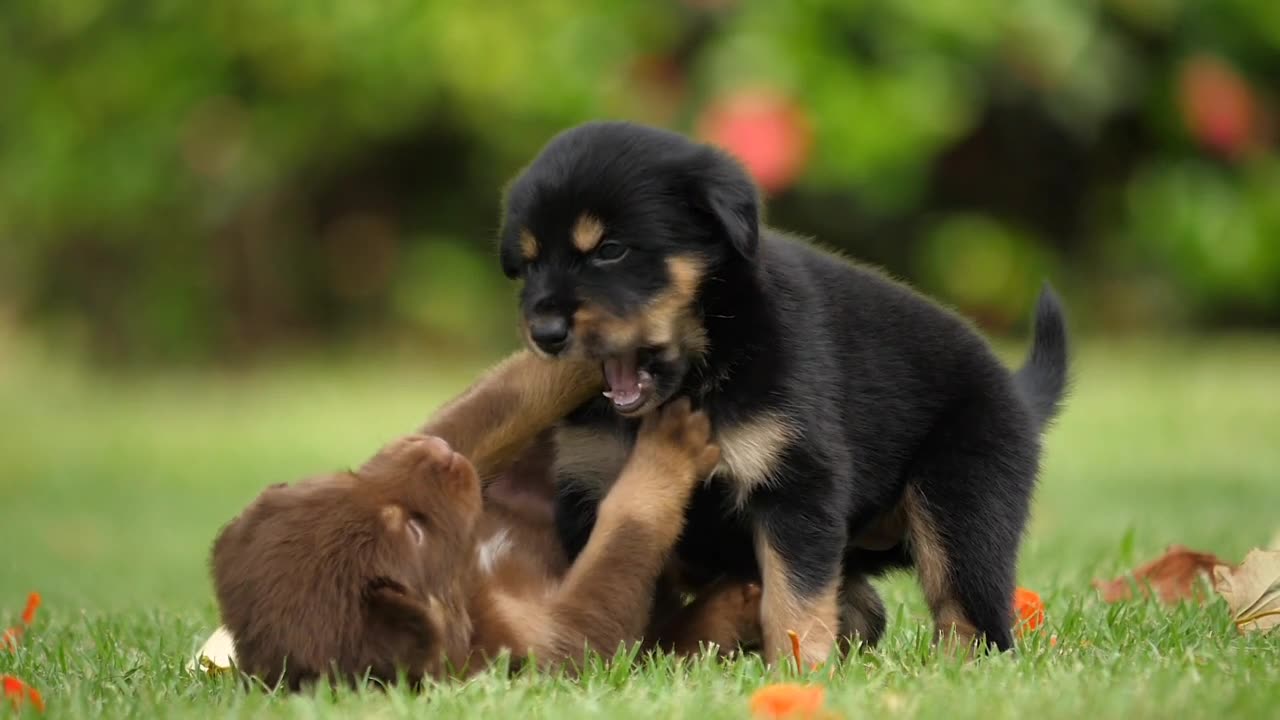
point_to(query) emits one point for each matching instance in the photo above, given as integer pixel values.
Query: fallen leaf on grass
(1172, 576)
(1252, 590)
(790, 701)
(218, 654)
(1029, 609)
(19, 692)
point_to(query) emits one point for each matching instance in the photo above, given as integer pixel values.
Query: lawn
(113, 490)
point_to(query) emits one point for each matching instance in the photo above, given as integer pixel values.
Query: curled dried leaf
(1173, 577)
(1252, 590)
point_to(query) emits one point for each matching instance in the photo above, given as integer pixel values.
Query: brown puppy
(400, 565)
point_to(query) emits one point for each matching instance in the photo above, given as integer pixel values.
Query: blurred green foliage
(183, 178)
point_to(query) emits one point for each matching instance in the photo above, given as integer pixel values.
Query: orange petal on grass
(18, 692)
(33, 604)
(1029, 609)
(787, 700)
(795, 648)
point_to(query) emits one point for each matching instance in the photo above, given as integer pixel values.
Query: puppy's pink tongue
(624, 381)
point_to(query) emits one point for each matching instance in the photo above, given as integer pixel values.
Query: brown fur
(724, 613)
(383, 569)
(498, 417)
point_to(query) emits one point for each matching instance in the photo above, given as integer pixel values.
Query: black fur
(885, 389)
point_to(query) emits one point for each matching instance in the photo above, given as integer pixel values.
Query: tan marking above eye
(528, 246)
(668, 318)
(587, 233)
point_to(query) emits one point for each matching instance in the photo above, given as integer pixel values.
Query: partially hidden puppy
(404, 566)
(861, 425)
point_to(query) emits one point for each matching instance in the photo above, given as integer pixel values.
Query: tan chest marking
(750, 453)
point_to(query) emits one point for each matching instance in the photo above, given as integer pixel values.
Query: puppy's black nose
(549, 332)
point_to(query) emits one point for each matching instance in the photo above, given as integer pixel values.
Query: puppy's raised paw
(679, 435)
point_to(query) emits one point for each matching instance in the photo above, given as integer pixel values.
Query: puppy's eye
(610, 251)
(415, 529)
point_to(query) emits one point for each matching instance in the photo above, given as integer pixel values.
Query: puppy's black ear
(723, 189)
(509, 252)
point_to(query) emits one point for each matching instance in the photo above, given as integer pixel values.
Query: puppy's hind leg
(862, 614)
(966, 505)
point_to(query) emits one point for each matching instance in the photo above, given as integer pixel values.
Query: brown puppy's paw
(425, 457)
(736, 608)
(680, 436)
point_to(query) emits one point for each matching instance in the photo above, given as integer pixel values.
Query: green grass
(114, 489)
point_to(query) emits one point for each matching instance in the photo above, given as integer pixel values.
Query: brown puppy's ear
(726, 192)
(402, 631)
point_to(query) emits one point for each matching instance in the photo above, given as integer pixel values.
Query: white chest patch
(491, 551)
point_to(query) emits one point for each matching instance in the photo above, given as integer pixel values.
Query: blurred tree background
(186, 181)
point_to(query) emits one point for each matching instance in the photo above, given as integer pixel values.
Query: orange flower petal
(36, 700)
(1029, 609)
(787, 700)
(33, 603)
(795, 648)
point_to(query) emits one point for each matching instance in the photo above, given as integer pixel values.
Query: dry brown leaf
(1252, 590)
(1173, 576)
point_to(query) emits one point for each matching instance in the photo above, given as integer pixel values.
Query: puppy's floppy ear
(509, 252)
(514, 201)
(402, 630)
(723, 189)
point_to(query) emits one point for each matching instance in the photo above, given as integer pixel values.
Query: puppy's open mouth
(630, 382)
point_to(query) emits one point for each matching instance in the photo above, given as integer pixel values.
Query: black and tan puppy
(861, 425)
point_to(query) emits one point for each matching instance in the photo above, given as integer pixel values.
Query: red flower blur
(765, 130)
(9, 639)
(1218, 105)
(18, 692)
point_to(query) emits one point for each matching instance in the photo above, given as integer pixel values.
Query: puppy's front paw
(681, 437)
(423, 456)
(734, 607)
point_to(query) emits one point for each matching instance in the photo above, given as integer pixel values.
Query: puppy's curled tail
(1042, 379)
